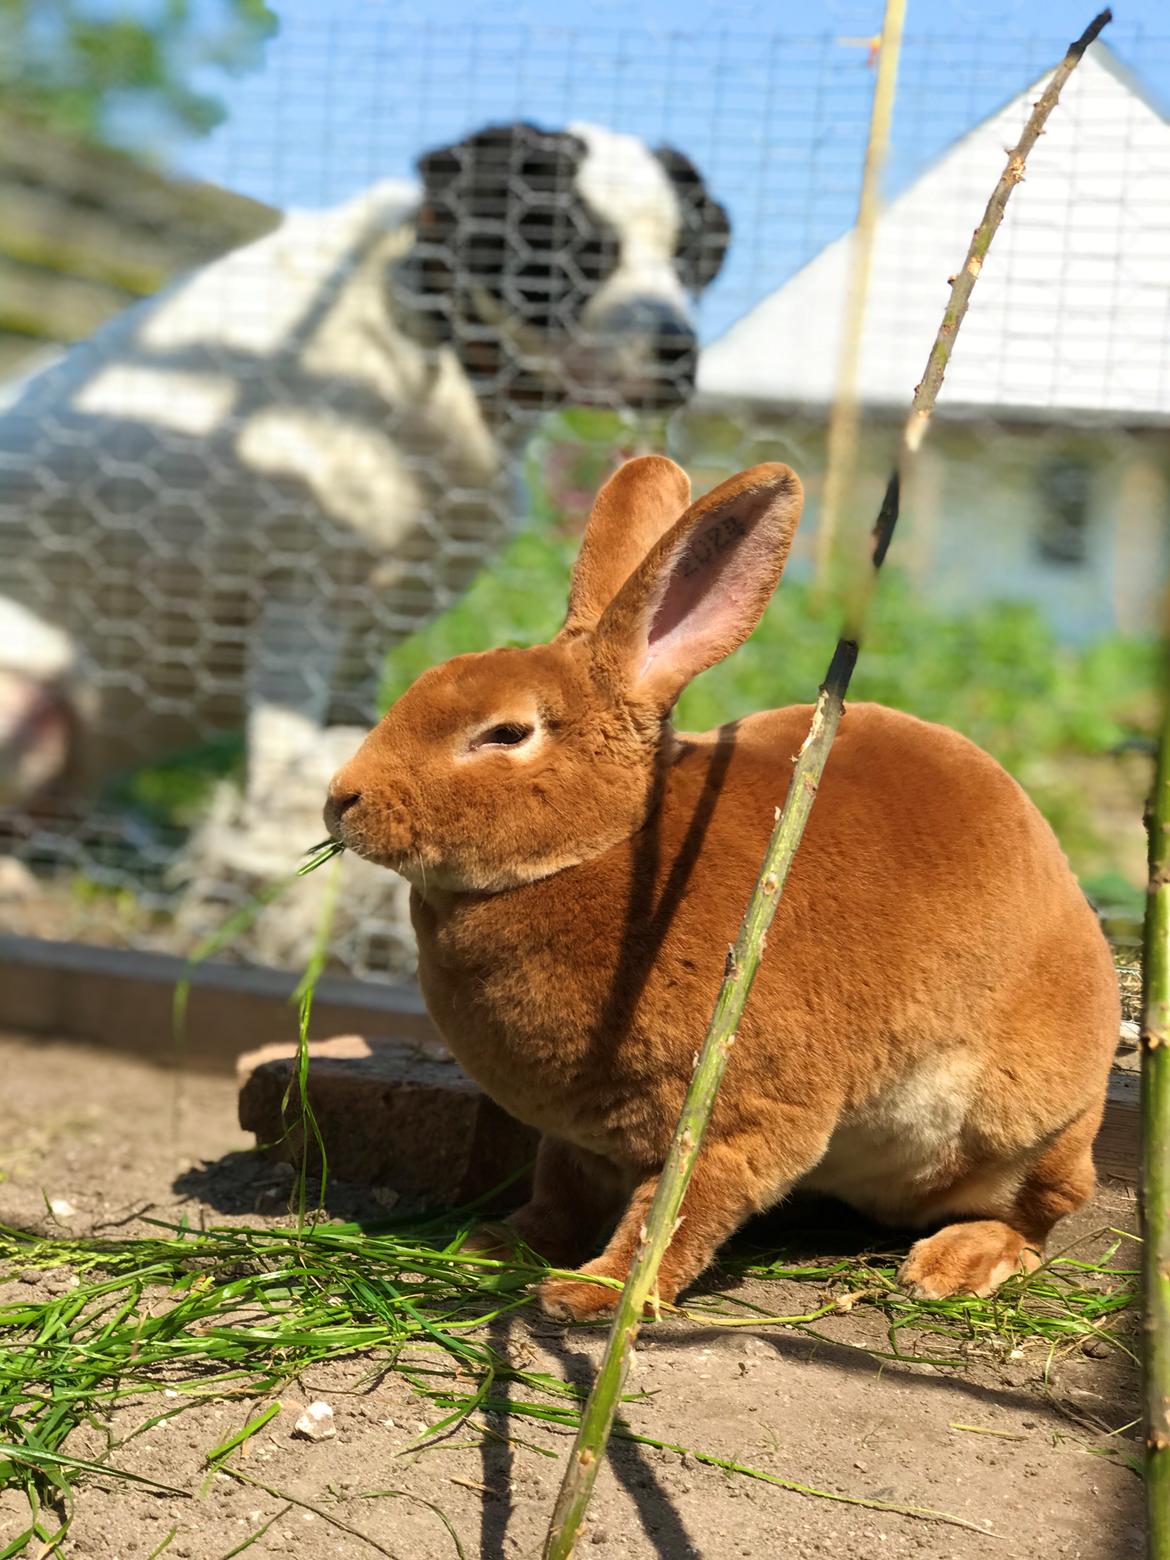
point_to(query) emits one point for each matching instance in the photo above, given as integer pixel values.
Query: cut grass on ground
(236, 1314)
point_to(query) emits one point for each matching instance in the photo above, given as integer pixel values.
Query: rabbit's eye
(508, 734)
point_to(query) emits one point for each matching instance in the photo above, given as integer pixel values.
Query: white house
(1048, 476)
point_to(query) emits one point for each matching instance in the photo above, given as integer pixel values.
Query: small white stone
(16, 881)
(316, 1423)
(61, 1208)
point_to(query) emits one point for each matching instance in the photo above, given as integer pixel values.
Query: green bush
(996, 673)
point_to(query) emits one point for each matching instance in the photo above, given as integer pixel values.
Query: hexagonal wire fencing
(489, 262)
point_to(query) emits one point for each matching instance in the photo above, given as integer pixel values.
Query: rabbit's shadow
(804, 1228)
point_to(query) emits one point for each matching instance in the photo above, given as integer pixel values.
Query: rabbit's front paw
(967, 1259)
(579, 1299)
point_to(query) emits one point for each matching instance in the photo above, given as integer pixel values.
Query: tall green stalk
(600, 1412)
(1156, 1154)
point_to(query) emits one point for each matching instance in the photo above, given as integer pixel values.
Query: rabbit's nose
(337, 804)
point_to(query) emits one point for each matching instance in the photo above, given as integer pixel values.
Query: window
(1062, 535)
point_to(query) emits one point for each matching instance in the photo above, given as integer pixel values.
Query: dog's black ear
(704, 230)
(490, 203)
(484, 166)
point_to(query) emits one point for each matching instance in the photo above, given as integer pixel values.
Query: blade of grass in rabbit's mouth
(318, 855)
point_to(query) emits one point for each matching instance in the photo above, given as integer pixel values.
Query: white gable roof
(1072, 311)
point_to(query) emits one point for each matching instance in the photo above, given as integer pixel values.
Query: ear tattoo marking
(717, 538)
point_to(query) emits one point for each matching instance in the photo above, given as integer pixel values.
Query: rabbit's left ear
(638, 505)
(703, 587)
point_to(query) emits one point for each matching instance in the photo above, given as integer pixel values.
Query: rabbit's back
(929, 912)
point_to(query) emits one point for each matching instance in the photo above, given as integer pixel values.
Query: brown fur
(930, 1032)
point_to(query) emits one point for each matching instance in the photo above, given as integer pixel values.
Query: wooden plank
(1117, 1150)
(85, 230)
(101, 177)
(39, 228)
(53, 306)
(124, 999)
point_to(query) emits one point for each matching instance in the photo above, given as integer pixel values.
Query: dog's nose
(675, 346)
(673, 338)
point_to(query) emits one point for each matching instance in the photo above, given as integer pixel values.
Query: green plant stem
(600, 1411)
(1155, 1188)
(253, 1425)
(303, 997)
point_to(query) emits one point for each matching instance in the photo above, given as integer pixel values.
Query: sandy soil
(1050, 1480)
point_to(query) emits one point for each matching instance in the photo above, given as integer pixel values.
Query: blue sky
(770, 100)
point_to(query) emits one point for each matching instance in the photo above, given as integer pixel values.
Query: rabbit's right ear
(635, 508)
(702, 588)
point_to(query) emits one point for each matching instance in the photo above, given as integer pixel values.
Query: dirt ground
(1032, 1457)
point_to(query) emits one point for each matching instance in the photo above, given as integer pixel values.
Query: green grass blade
(245, 1433)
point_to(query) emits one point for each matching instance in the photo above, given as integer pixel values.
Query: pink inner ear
(712, 584)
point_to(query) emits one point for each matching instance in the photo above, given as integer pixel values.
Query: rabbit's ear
(703, 587)
(637, 506)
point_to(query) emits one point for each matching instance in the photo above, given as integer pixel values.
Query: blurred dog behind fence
(224, 507)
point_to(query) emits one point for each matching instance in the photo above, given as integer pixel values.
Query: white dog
(233, 499)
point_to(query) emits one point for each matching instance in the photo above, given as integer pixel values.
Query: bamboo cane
(841, 445)
(744, 958)
(1155, 1188)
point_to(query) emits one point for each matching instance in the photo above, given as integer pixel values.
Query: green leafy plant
(995, 672)
(72, 66)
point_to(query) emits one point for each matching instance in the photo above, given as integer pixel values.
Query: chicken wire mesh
(511, 254)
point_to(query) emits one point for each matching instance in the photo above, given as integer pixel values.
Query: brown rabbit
(930, 1032)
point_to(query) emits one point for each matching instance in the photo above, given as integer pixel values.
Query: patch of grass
(1067, 1300)
(235, 1314)
(174, 794)
(237, 923)
(222, 1315)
